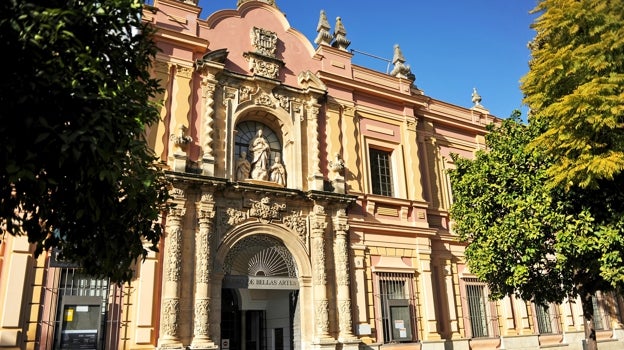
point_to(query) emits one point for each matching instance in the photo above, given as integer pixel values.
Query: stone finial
(400, 70)
(340, 36)
(476, 98)
(323, 28)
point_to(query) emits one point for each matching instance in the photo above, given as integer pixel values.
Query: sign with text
(256, 282)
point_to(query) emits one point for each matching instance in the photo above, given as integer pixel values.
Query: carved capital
(184, 72)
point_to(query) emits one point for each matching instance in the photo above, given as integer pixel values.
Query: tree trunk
(588, 324)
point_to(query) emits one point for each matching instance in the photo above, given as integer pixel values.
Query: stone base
(325, 344)
(207, 166)
(350, 344)
(206, 346)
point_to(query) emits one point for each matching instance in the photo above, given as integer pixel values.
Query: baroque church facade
(311, 211)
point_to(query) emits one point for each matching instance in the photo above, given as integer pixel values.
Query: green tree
(75, 170)
(526, 237)
(575, 86)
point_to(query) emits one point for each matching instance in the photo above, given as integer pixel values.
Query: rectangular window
(477, 310)
(381, 177)
(544, 321)
(395, 304)
(601, 320)
(81, 312)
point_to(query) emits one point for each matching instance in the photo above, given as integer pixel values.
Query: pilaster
(430, 323)
(352, 148)
(209, 86)
(412, 161)
(450, 271)
(315, 178)
(180, 112)
(156, 132)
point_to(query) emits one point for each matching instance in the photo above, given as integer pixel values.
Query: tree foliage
(576, 87)
(75, 170)
(524, 236)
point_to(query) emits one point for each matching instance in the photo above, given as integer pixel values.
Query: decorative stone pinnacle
(476, 98)
(340, 36)
(401, 70)
(324, 36)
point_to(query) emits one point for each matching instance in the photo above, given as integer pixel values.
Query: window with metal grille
(395, 306)
(381, 176)
(544, 320)
(82, 312)
(601, 321)
(479, 311)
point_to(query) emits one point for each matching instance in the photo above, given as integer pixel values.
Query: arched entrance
(259, 296)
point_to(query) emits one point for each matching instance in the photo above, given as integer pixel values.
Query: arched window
(246, 131)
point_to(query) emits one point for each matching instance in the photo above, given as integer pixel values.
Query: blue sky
(451, 45)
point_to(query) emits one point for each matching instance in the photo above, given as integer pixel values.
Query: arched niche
(279, 130)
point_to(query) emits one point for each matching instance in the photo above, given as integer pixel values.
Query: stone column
(170, 308)
(315, 178)
(318, 223)
(203, 272)
(341, 258)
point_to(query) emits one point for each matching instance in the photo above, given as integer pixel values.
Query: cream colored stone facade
(350, 248)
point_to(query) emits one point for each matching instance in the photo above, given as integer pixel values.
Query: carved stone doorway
(259, 297)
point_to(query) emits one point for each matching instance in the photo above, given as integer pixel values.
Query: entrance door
(258, 319)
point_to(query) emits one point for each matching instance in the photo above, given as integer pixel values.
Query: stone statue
(278, 173)
(259, 148)
(243, 167)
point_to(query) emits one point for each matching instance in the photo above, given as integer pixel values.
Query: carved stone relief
(264, 41)
(296, 222)
(202, 311)
(322, 315)
(266, 211)
(170, 312)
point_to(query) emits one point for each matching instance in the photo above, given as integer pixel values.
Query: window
(381, 177)
(395, 320)
(480, 320)
(81, 311)
(601, 321)
(545, 317)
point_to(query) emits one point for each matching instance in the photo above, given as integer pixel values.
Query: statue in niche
(259, 148)
(243, 167)
(278, 173)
